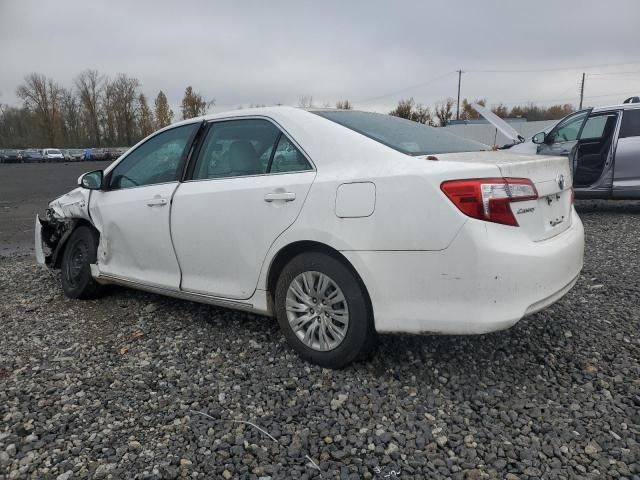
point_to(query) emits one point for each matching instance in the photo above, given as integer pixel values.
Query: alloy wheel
(317, 311)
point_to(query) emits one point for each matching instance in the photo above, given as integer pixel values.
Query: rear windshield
(406, 136)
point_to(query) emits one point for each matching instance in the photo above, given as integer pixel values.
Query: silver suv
(603, 145)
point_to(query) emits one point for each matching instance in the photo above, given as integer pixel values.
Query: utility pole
(581, 91)
(458, 107)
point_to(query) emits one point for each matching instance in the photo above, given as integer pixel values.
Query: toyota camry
(341, 224)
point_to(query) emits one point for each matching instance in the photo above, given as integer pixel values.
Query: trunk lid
(550, 213)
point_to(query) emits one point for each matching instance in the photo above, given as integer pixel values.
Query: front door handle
(284, 196)
(156, 202)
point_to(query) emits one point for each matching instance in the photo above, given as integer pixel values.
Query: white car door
(133, 208)
(248, 185)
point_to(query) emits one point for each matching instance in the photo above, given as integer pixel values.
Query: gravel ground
(110, 388)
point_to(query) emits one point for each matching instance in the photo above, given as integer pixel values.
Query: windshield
(52, 151)
(403, 135)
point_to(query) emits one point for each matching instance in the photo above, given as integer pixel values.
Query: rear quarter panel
(411, 213)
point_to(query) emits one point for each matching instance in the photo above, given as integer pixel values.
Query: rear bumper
(486, 280)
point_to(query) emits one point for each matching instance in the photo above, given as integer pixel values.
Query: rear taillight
(489, 198)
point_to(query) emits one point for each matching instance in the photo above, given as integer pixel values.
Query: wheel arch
(288, 252)
(59, 250)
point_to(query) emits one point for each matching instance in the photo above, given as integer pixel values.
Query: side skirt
(191, 296)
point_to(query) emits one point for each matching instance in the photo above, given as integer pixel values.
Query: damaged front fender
(61, 218)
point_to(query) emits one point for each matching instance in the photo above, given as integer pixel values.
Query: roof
(620, 106)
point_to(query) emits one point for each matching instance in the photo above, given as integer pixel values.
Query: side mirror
(539, 138)
(91, 180)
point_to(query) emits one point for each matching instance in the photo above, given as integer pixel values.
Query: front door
(562, 138)
(132, 211)
(248, 186)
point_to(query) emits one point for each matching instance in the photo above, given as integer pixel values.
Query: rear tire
(79, 253)
(323, 311)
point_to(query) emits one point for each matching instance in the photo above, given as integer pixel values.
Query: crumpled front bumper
(50, 236)
(39, 249)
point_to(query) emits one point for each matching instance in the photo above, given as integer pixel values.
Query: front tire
(79, 253)
(323, 310)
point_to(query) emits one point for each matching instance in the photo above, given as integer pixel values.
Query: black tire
(360, 338)
(79, 253)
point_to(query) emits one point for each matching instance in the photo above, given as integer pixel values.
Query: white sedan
(342, 224)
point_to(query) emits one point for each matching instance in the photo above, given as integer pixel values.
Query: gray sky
(243, 52)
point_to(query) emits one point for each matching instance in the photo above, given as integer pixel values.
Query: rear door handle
(284, 196)
(156, 202)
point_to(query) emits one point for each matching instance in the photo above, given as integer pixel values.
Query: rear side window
(594, 127)
(240, 148)
(630, 124)
(287, 158)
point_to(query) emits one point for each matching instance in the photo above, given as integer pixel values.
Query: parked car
(52, 154)
(31, 155)
(372, 224)
(73, 154)
(111, 153)
(99, 154)
(11, 155)
(603, 146)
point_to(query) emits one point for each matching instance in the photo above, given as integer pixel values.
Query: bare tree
(409, 110)
(125, 91)
(90, 85)
(194, 104)
(467, 112)
(344, 105)
(70, 119)
(306, 101)
(107, 113)
(43, 96)
(444, 111)
(145, 116)
(163, 113)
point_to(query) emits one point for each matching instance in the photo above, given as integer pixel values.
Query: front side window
(236, 148)
(630, 124)
(568, 129)
(158, 160)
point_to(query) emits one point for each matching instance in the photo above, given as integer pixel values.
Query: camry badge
(560, 180)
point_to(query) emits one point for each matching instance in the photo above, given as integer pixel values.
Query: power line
(524, 102)
(556, 69)
(633, 72)
(423, 84)
(459, 72)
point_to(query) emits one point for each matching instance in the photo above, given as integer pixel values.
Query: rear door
(592, 155)
(246, 187)
(562, 138)
(626, 178)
